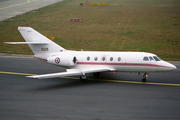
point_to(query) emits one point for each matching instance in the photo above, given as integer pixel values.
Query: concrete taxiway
(11, 8)
(104, 98)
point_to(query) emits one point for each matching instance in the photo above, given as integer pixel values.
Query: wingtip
(32, 77)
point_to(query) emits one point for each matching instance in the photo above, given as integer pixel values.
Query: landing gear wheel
(144, 80)
(83, 78)
(145, 77)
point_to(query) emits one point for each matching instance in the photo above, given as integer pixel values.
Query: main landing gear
(84, 78)
(145, 77)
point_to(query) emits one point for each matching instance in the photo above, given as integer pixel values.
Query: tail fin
(38, 43)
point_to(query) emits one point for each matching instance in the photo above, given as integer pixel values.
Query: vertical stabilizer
(38, 43)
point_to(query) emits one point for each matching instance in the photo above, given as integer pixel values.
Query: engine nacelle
(65, 60)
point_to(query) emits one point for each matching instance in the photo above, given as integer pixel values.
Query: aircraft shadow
(63, 83)
(71, 82)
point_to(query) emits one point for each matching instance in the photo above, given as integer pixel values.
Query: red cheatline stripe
(121, 64)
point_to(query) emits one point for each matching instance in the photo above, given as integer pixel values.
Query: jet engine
(66, 61)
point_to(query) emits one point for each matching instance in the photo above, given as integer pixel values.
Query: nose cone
(170, 66)
(165, 66)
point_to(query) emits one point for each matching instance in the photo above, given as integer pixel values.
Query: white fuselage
(116, 61)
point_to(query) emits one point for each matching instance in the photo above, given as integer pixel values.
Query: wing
(70, 72)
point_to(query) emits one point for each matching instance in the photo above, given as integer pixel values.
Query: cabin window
(103, 58)
(119, 58)
(150, 58)
(157, 58)
(111, 58)
(145, 59)
(95, 58)
(88, 58)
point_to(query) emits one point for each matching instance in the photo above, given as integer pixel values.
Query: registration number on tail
(44, 49)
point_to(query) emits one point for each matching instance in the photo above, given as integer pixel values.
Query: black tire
(83, 80)
(144, 80)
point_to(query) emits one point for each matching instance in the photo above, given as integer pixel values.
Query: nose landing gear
(145, 77)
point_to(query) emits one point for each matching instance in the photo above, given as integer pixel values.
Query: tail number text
(44, 49)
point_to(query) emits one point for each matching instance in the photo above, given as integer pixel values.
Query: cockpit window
(151, 58)
(157, 58)
(145, 59)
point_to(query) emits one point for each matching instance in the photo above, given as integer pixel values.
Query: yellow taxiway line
(119, 81)
(13, 73)
(134, 82)
(18, 4)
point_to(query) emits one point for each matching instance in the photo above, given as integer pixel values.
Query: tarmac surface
(112, 96)
(11, 8)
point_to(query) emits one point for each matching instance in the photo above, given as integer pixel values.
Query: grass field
(125, 25)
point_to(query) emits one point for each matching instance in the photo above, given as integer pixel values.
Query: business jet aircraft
(82, 62)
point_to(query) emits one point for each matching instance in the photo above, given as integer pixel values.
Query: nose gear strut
(145, 77)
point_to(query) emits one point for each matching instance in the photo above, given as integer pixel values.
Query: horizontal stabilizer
(34, 43)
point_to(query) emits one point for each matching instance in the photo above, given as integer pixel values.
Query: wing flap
(93, 70)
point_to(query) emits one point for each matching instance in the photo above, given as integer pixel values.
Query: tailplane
(38, 43)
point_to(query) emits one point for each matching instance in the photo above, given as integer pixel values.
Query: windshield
(157, 58)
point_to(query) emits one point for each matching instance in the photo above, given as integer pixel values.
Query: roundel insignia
(57, 60)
